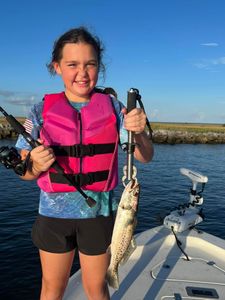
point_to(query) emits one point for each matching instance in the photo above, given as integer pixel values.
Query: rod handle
(131, 99)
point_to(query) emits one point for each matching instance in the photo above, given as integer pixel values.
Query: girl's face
(79, 70)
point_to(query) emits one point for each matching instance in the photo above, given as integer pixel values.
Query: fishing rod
(19, 128)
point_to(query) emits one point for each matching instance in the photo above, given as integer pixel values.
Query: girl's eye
(88, 65)
(92, 64)
(72, 65)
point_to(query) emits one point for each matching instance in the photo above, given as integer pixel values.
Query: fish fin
(129, 251)
(112, 278)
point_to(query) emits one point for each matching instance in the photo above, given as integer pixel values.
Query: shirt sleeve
(32, 125)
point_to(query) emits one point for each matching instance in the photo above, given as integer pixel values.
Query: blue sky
(173, 51)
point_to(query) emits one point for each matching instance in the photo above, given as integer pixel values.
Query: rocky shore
(6, 131)
(187, 137)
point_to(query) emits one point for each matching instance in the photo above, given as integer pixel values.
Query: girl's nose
(82, 69)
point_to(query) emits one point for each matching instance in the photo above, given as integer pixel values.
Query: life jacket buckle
(76, 151)
(91, 149)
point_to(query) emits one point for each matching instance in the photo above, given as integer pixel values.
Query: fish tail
(112, 278)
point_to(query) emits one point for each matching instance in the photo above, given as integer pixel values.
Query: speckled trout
(123, 243)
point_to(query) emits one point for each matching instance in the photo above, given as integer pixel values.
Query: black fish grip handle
(130, 171)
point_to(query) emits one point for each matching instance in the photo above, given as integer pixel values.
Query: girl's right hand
(42, 158)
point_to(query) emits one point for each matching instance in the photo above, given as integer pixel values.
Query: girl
(80, 128)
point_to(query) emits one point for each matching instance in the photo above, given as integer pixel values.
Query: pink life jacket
(85, 143)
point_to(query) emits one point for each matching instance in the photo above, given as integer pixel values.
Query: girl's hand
(135, 120)
(42, 158)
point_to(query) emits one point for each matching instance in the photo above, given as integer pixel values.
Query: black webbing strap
(80, 179)
(150, 131)
(79, 150)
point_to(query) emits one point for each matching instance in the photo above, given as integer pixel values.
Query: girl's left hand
(135, 120)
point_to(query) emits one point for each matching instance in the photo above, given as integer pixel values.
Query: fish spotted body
(123, 244)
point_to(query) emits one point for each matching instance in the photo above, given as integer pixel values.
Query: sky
(172, 51)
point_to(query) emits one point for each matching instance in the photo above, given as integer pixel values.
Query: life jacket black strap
(80, 179)
(79, 150)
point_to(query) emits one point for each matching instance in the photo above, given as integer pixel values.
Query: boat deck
(158, 270)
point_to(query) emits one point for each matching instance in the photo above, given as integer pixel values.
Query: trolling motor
(195, 197)
(188, 214)
(11, 158)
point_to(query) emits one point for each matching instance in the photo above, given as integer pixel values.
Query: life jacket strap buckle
(91, 149)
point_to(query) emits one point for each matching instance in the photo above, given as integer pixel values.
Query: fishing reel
(11, 159)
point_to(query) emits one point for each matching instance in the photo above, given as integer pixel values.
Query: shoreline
(163, 133)
(188, 133)
(185, 137)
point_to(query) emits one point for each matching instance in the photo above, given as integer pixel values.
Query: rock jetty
(187, 137)
(6, 131)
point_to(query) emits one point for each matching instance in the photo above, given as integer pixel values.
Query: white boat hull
(158, 270)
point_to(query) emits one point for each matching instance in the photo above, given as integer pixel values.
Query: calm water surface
(162, 189)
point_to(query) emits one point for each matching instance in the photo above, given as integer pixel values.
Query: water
(163, 188)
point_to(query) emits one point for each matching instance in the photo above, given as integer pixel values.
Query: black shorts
(89, 236)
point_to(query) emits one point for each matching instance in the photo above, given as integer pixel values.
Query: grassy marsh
(189, 127)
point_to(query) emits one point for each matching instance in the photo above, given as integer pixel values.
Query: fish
(123, 243)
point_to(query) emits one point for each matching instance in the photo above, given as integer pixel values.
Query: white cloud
(221, 117)
(198, 116)
(210, 44)
(5, 93)
(201, 65)
(154, 113)
(207, 63)
(219, 61)
(19, 102)
(19, 98)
